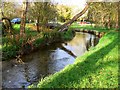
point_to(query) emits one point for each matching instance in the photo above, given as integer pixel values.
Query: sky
(65, 2)
(75, 2)
(79, 3)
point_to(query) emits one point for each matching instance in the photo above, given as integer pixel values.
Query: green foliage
(9, 51)
(64, 13)
(68, 35)
(97, 68)
(38, 42)
(42, 11)
(28, 31)
(11, 47)
(8, 9)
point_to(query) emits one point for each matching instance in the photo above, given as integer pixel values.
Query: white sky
(66, 2)
(79, 3)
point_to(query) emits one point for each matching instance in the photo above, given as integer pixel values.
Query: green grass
(90, 27)
(28, 31)
(97, 68)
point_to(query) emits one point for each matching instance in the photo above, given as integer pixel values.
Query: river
(46, 61)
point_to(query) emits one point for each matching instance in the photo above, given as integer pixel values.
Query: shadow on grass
(80, 70)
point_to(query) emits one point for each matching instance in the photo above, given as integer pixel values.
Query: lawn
(28, 29)
(97, 68)
(90, 27)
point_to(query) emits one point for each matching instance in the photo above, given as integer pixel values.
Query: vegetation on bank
(13, 45)
(97, 68)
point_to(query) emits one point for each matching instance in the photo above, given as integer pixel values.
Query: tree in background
(6, 14)
(42, 12)
(64, 13)
(68, 23)
(102, 14)
(8, 9)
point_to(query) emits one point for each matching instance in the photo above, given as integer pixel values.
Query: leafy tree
(64, 13)
(8, 9)
(102, 14)
(42, 12)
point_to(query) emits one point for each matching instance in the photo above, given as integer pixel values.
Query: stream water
(46, 61)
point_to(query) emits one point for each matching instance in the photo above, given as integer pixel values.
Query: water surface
(46, 61)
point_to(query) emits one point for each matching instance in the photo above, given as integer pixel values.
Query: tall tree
(23, 18)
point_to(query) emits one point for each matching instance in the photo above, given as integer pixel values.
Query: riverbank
(13, 47)
(45, 61)
(97, 68)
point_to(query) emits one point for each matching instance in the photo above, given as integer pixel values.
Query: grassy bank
(97, 68)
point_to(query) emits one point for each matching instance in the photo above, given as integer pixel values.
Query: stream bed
(46, 61)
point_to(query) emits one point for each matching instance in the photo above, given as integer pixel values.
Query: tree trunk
(38, 24)
(62, 28)
(103, 20)
(116, 26)
(108, 25)
(118, 17)
(23, 18)
(6, 25)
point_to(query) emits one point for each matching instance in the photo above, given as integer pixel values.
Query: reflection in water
(46, 61)
(91, 41)
(77, 45)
